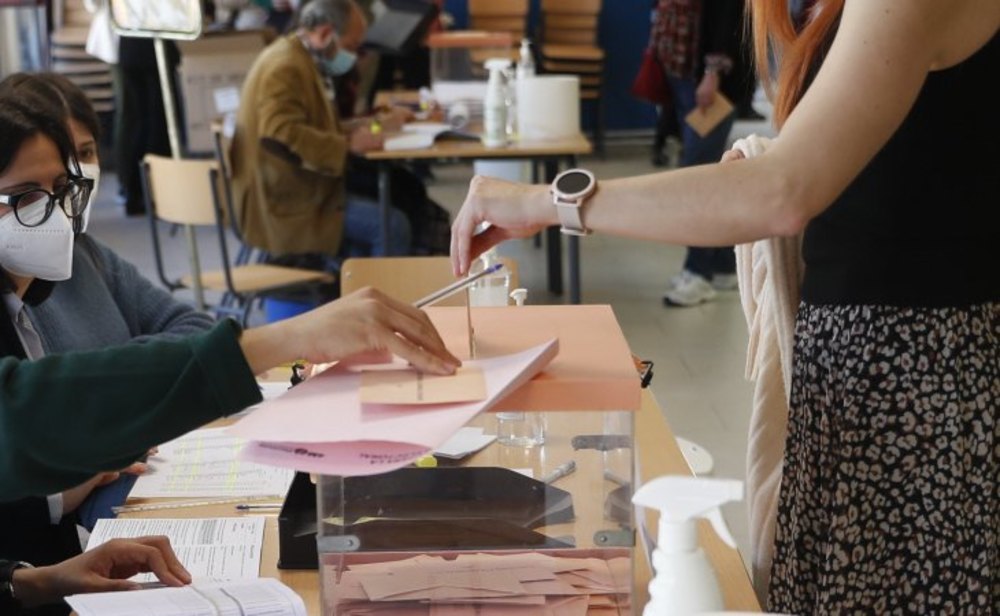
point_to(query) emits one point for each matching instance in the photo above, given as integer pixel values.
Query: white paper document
(465, 442)
(211, 549)
(258, 597)
(321, 426)
(205, 463)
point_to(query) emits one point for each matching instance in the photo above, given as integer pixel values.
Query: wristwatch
(7, 569)
(569, 190)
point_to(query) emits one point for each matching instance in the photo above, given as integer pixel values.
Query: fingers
(162, 561)
(136, 468)
(461, 234)
(421, 344)
(731, 155)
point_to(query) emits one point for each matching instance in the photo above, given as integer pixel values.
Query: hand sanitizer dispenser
(684, 581)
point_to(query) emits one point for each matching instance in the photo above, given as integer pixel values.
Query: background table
(548, 153)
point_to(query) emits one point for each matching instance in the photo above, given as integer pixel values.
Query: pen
(560, 471)
(456, 286)
(252, 506)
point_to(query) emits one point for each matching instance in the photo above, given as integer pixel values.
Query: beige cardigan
(770, 277)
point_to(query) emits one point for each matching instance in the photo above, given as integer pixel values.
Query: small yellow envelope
(409, 386)
(703, 121)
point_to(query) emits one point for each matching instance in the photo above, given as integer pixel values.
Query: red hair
(797, 48)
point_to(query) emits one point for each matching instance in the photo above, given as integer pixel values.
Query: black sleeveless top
(920, 226)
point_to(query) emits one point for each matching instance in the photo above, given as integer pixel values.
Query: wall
(624, 34)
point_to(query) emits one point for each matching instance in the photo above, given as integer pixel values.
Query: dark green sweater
(66, 417)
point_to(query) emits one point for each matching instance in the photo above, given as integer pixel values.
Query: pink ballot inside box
(532, 358)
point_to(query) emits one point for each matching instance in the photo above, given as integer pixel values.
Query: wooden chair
(509, 16)
(188, 193)
(408, 278)
(569, 46)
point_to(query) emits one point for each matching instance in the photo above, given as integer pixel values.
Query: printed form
(211, 549)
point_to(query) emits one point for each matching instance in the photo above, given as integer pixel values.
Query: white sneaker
(677, 278)
(690, 290)
(725, 282)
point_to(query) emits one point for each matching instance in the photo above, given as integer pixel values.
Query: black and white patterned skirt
(890, 499)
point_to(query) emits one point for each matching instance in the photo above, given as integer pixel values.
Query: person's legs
(129, 139)
(363, 230)
(693, 285)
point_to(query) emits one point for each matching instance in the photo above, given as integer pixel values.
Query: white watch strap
(570, 217)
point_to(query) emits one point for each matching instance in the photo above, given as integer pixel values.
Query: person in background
(290, 148)
(140, 119)
(104, 301)
(696, 42)
(27, 589)
(886, 163)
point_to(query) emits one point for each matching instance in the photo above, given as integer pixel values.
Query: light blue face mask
(340, 63)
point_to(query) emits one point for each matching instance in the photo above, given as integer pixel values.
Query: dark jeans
(141, 128)
(698, 150)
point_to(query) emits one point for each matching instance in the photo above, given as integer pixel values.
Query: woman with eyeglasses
(69, 292)
(66, 417)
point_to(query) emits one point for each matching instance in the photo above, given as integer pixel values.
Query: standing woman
(887, 161)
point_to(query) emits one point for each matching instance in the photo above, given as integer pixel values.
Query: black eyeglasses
(72, 198)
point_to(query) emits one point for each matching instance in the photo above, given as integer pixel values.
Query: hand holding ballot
(364, 321)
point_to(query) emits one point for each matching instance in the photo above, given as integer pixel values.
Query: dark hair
(316, 13)
(24, 115)
(61, 92)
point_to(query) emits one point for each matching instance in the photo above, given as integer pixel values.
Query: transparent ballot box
(507, 527)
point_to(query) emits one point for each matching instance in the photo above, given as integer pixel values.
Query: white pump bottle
(684, 581)
(496, 104)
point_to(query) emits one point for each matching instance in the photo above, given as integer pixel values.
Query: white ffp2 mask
(45, 251)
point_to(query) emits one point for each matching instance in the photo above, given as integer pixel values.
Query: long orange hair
(797, 48)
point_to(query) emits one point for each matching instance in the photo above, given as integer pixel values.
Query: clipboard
(704, 121)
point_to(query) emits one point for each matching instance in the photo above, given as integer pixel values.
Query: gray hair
(315, 13)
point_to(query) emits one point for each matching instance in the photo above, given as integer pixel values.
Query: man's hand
(363, 140)
(705, 94)
(106, 568)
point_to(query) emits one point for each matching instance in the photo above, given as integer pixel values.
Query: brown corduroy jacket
(288, 155)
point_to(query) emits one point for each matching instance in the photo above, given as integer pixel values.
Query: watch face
(573, 183)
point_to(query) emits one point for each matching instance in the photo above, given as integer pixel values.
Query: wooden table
(549, 153)
(658, 455)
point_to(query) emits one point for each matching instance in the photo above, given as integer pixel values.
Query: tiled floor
(699, 353)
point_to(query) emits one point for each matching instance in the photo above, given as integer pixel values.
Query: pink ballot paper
(321, 425)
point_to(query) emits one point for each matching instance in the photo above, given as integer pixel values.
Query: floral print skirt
(890, 497)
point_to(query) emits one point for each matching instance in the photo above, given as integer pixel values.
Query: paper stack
(486, 585)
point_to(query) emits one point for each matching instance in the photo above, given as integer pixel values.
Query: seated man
(290, 147)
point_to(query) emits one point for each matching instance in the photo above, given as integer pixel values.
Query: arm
(283, 118)
(64, 418)
(147, 308)
(106, 568)
(872, 75)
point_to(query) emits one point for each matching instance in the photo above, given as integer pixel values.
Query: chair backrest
(184, 192)
(223, 149)
(570, 22)
(499, 16)
(181, 189)
(407, 278)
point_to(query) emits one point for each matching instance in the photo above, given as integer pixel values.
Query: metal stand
(170, 110)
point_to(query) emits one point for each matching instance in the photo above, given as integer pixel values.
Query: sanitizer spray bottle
(684, 581)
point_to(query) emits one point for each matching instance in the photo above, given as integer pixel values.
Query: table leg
(553, 238)
(553, 257)
(573, 255)
(384, 203)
